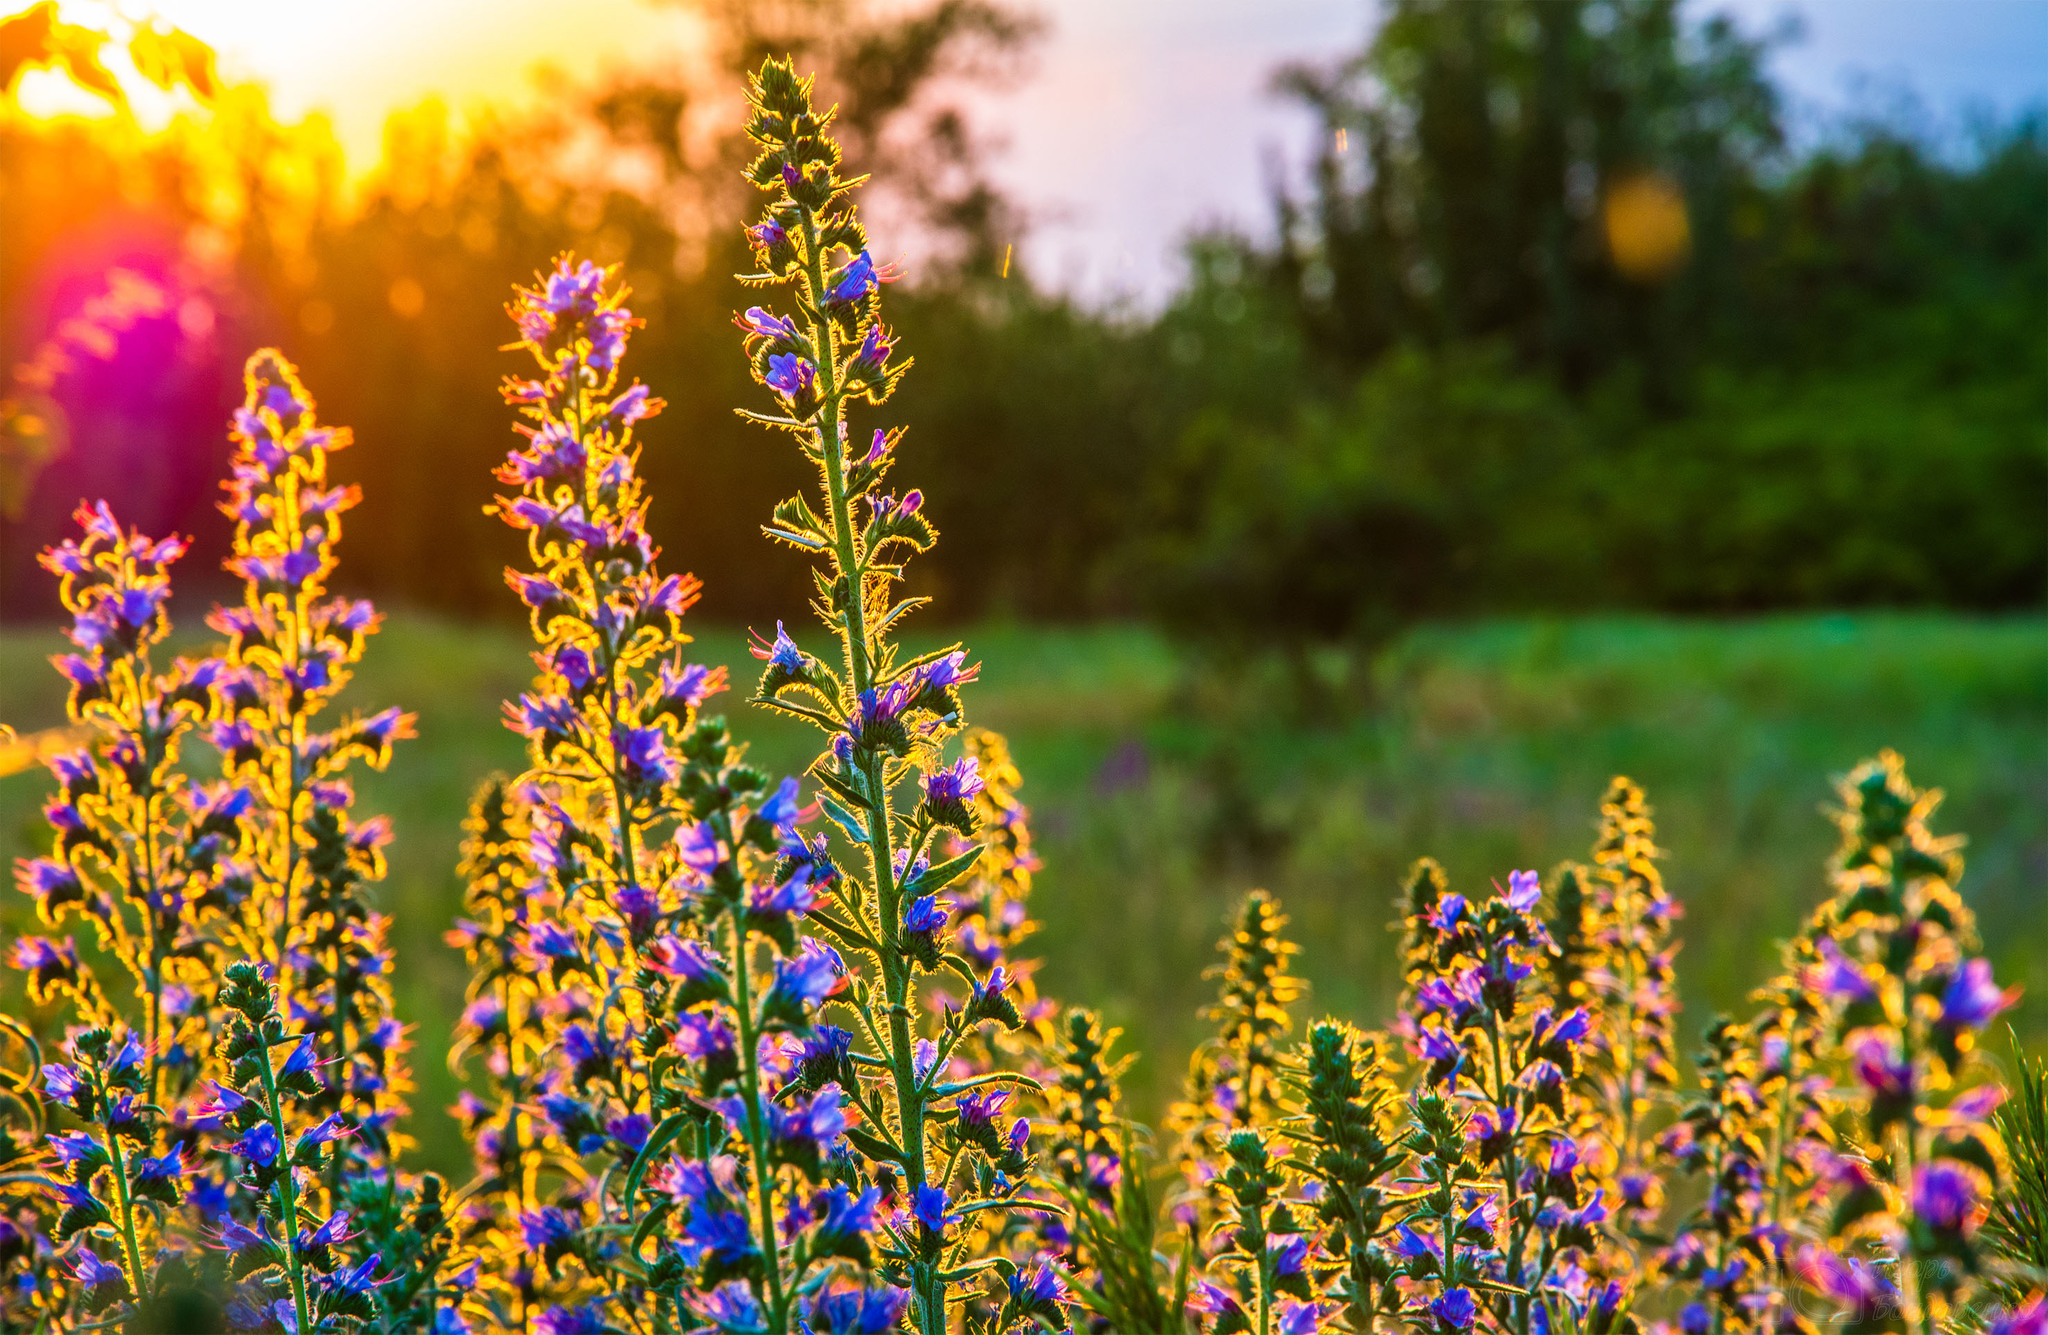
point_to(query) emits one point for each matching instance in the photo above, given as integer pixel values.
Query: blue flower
(632, 406)
(237, 1237)
(790, 375)
(304, 1058)
(1213, 1300)
(53, 883)
(685, 690)
(761, 324)
(162, 1168)
(820, 1122)
(819, 1057)
(782, 810)
(1455, 1310)
(732, 1307)
(1039, 1290)
(703, 1036)
(810, 976)
(931, 1209)
(331, 1127)
(630, 1131)
(853, 1310)
(783, 655)
(582, 1319)
(1289, 1253)
(856, 280)
(685, 959)
(1972, 1000)
(722, 1236)
(330, 1234)
(259, 1145)
(643, 756)
(1443, 1052)
(76, 1147)
(874, 351)
(93, 1273)
(978, 1111)
(928, 913)
(847, 1215)
(954, 787)
(549, 1226)
(552, 940)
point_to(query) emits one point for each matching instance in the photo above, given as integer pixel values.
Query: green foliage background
(1432, 391)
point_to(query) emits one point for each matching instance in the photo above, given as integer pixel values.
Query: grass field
(1161, 795)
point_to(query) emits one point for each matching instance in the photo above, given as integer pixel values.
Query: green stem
(130, 1245)
(757, 1144)
(287, 1190)
(156, 946)
(931, 1315)
(1504, 1108)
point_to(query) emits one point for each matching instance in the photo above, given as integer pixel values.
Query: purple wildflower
(1213, 1300)
(1839, 978)
(1289, 1253)
(928, 914)
(931, 1209)
(790, 375)
(1300, 1318)
(1455, 1310)
(1972, 1000)
(954, 787)
(812, 975)
(761, 324)
(259, 1145)
(1944, 1198)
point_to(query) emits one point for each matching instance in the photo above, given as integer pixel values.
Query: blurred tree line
(1554, 319)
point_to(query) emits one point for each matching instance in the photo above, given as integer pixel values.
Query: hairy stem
(757, 1140)
(126, 1203)
(287, 1190)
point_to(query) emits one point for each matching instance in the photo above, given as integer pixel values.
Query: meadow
(1162, 789)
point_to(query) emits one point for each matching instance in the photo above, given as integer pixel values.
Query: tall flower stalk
(1907, 993)
(151, 857)
(291, 648)
(886, 715)
(1628, 971)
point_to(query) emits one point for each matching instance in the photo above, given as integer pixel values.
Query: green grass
(1160, 796)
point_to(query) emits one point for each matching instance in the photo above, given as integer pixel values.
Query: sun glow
(358, 61)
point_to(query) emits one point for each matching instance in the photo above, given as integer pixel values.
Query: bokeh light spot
(1648, 233)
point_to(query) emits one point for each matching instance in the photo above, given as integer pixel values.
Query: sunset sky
(1141, 117)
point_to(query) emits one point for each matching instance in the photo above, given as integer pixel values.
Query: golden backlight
(358, 60)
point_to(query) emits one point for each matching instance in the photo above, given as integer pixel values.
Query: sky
(1139, 119)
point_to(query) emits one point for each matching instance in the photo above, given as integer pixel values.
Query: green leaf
(848, 823)
(664, 1135)
(944, 874)
(845, 790)
(648, 1223)
(872, 1145)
